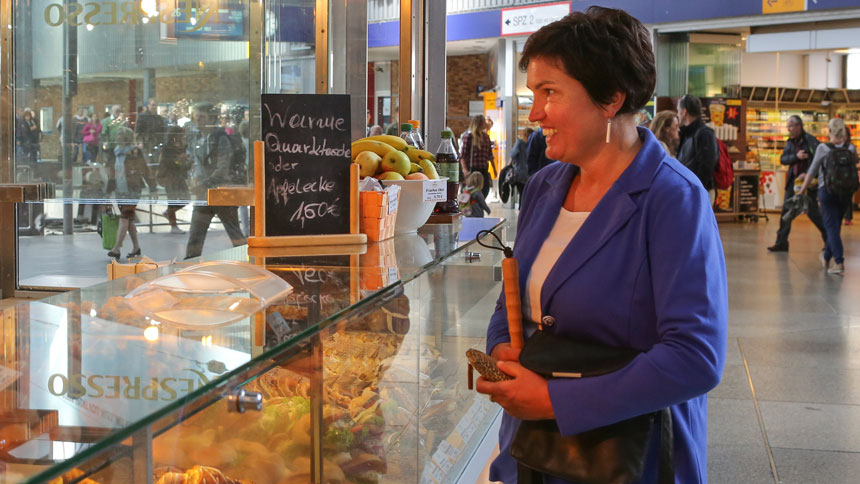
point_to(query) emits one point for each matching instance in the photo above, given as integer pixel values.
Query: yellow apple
(396, 161)
(390, 175)
(369, 162)
(417, 176)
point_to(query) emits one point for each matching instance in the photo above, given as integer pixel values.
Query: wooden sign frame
(260, 239)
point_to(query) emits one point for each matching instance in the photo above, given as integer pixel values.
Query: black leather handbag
(613, 454)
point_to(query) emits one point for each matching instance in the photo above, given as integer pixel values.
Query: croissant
(207, 475)
(172, 478)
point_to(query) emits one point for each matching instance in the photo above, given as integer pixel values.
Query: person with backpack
(698, 149)
(835, 165)
(219, 159)
(797, 154)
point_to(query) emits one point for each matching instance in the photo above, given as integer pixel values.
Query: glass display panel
(370, 346)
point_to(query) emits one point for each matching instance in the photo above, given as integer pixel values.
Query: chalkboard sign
(307, 170)
(748, 193)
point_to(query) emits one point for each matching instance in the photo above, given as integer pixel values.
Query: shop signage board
(782, 6)
(747, 186)
(305, 182)
(525, 20)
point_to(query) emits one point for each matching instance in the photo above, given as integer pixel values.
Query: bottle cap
(415, 124)
(447, 134)
(405, 127)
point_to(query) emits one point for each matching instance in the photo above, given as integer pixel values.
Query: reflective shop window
(714, 69)
(154, 96)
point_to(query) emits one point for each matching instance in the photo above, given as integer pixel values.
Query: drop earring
(608, 129)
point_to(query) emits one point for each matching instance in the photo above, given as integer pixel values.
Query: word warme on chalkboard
(306, 179)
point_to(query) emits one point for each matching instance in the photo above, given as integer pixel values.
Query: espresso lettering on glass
(307, 146)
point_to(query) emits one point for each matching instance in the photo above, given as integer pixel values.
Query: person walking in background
(536, 149)
(244, 130)
(519, 173)
(797, 156)
(79, 120)
(150, 129)
(91, 132)
(212, 152)
(172, 174)
(110, 125)
(834, 165)
(31, 136)
(698, 148)
(130, 175)
(476, 151)
(666, 128)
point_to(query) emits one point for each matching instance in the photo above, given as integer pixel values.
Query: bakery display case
(338, 368)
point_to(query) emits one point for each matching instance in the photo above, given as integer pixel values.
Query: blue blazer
(646, 271)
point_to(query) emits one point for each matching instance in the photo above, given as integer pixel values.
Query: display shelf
(359, 380)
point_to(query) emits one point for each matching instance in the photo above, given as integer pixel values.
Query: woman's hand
(504, 352)
(526, 397)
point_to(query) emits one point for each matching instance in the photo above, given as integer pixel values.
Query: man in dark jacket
(150, 129)
(698, 148)
(211, 151)
(797, 156)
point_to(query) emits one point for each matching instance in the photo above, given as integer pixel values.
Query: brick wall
(464, 74)
(211, 86)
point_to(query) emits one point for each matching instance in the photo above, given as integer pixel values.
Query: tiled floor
(789, 404)
(788, 408)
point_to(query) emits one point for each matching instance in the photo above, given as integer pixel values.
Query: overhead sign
(782, 6)
(525, 20)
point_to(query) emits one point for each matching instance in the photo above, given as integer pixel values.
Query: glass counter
(359, 374)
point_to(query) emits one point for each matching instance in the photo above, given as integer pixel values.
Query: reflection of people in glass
(618, 245)
(211, 152)
(173, 167)
(29, 136)
(130, 175)
(150, 128)
(91, 132)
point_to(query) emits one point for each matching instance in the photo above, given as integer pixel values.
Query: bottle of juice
(416, 133)
(406, 134)
(448, 165)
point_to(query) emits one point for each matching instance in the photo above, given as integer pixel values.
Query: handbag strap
(666, 466)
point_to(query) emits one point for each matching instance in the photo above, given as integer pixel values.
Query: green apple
(390, 175)
(369, 162)
(396, 161)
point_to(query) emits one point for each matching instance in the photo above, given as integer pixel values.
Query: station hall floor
(788, 408)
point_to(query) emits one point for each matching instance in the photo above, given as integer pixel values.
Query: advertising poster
(726, 118)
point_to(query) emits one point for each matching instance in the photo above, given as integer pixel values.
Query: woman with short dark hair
(617, 245)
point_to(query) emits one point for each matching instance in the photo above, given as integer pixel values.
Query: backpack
(238, 171)
(724, 174)
(840, 171)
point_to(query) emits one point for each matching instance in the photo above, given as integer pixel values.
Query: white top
(566, 226)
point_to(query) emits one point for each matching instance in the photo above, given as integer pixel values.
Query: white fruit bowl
(412, 210)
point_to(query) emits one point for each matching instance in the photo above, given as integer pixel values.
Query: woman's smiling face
(574, 126)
